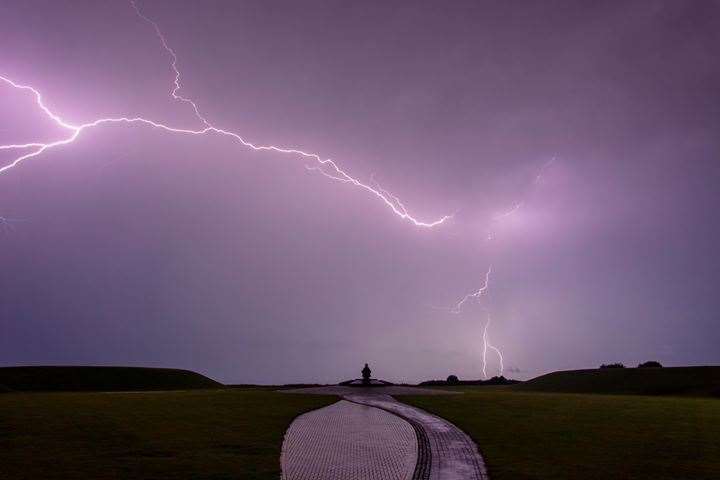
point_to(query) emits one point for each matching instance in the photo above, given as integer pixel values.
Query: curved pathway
(452, 454)
(370, 435)
(349, 441)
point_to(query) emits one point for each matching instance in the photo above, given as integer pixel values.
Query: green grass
(76, 378)
(696, 381)
(213, 434)
(528, 435)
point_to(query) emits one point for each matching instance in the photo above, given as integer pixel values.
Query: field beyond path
(224, 434)
(529, 435)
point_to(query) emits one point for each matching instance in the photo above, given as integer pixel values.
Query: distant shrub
(650, 364)
(454, 380)
(498, 381)
(612, 365)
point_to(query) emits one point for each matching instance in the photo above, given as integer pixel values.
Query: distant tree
(501, 380)
(612, 365)
(453, 380)
(650, 364)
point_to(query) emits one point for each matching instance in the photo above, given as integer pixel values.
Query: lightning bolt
(509, 212)
(476, 296)
(483, 290)
(173, 64)
(486, 345)
(518, 205)
(7, 224)
(546, 165)
(325, 166)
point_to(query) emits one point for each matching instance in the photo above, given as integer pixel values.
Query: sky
(574, 143)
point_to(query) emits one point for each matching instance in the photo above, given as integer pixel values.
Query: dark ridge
(287, 386)
(491, 381)
(83, 379)
(693, 381)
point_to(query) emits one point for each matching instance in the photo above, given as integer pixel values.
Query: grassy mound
(696, 381)
(75, 379)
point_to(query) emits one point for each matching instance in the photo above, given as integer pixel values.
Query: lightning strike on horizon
(484, 288)
(327, 167)
(486, 345)
(476, 295)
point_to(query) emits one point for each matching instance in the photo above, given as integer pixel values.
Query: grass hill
(76, 379)
(696, 381)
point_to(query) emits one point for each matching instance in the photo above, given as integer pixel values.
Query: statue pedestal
(365, 381)
(360, 382)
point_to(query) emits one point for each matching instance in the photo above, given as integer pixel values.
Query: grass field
(528, 435)
(213, 434)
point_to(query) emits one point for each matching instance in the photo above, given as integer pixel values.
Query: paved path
(370, 436)
(349, 441)
(452, 454)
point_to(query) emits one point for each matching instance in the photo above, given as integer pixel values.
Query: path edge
(424, 452)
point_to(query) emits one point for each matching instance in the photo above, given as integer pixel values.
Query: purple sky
(139, 247)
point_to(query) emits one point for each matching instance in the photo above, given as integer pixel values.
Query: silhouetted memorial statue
(365, 381)
(366, 375)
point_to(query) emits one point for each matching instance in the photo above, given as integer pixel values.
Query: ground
(525, 435)
(233, 433)
(211, 434)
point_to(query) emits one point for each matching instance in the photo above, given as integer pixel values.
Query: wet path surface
(452, 454)
(349, 441)
(372, 436)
